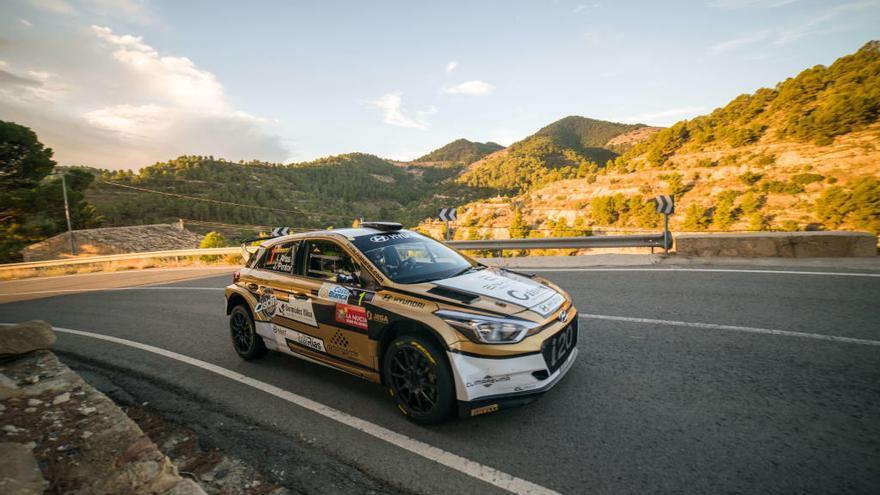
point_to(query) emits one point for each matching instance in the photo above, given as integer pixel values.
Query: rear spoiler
(276, 232)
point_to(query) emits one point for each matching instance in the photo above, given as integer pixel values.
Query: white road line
(710, 270)
(104, 289)
(713, 326)
(474, 469)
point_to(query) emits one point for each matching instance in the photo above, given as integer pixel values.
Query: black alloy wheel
(419, 379)
(245, 340)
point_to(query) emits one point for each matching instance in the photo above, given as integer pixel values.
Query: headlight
(487, 329)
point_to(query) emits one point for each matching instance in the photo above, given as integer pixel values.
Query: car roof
(347, 233)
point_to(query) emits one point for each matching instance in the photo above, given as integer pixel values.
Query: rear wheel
(419, 379)
(245, 340)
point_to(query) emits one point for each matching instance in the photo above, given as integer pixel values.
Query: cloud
(451, 66)
(744, 40)
(54, 6)
(393, 112)
(663, 116)
(25, 23)
(132, 9)
(739, 4)
(472, 88)
(112, 100)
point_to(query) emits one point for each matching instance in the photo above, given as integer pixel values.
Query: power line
(216, 201)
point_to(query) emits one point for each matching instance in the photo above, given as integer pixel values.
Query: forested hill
(570, 147)
(328, 191)
(804, 154)
(460, 151)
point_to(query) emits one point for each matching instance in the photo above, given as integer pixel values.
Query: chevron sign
(665, 204)
(448, 214)
(280, 231)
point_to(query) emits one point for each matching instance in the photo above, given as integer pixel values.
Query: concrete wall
(778, 244)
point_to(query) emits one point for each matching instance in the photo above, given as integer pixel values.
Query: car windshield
(410, 258)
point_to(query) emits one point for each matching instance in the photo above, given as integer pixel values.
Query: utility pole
(67, 216)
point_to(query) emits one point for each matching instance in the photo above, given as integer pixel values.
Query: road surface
(719, 379)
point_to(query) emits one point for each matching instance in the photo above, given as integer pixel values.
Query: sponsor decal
(334, 292)
(506, 287)
(298, 310)
(378, 239)
(339, 345)
(377, 317)
(550, 305)
(266, 302)
(354, 316)
(483, 410)
(403, 301)
(287, 337)
(487, 381)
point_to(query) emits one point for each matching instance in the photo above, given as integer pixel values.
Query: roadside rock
(25, 337)
(81, 441)
(19, 471)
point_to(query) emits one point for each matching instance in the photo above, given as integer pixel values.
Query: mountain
(570, 147)
(328, 191)
(804, 154)
(460, 151)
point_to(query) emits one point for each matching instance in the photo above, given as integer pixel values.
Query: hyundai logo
(378, 238)
(563, 315)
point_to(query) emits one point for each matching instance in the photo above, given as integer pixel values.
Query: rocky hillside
(802, 155)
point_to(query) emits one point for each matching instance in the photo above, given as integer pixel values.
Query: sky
(122, 84)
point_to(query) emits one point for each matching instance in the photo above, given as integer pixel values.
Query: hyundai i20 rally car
(442, 332)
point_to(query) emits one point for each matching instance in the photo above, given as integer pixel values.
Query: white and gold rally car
(442, 332)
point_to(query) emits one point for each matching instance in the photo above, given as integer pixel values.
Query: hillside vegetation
(802, 155)
(460, 151)
(571, 147)
(328, 191)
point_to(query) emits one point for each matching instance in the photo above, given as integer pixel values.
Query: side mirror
(347, 279)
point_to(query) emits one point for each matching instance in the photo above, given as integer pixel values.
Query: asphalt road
(648, 407)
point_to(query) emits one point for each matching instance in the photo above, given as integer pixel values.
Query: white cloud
(451, 66)
(54, 6)
(112, 100)
(25, 23)
(738, 4)
(744, 40)
(663, 117)
(132, 9)
(472, 88)
(393, 112)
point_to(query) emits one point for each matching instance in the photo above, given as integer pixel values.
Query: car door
(339, 291)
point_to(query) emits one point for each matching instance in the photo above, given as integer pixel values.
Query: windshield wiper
(468, 269)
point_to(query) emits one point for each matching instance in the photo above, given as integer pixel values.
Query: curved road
(710, 380)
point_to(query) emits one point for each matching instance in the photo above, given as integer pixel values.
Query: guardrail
(178, 253)
(655, 240)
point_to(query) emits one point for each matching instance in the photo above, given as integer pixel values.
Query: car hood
(508, 287)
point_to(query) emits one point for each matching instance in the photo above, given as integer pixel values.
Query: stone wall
(778, 244)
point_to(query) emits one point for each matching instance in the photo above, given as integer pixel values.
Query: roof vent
(383, 226)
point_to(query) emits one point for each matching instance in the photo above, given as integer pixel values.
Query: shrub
(696, 217)
(750, 178)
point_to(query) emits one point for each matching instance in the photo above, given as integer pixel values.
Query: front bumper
(486, 385)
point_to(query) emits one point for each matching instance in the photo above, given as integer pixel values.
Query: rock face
(19, 471)
(25, 337)
(83, 443)
(778, 244)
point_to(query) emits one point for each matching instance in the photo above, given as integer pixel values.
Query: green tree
(213, 240)
(725, 211)
(696, 217)
(518, 229)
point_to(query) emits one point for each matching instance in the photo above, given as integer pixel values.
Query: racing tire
(419, 379)
(245, 340)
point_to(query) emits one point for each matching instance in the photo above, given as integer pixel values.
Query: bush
(750, 178)
(696, 217)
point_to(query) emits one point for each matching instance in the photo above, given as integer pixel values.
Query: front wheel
(245, 340)
(419, 379)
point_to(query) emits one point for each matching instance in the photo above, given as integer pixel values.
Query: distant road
(715, 380)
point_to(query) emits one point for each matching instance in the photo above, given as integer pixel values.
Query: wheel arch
(236, 299)
(403, 327)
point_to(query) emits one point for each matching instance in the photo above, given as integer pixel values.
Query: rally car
(442, 332)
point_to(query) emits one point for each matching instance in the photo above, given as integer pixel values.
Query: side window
(325, 260)
(279, 258)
